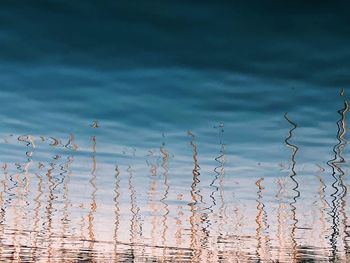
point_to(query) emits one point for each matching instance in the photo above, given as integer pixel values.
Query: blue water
(174, 131)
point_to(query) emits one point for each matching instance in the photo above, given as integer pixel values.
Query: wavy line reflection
(65, 172)
(262, 249)
(37, 209)
(116, 212)
(4, 182)
(282, 221)
(152, 195)
(292, 176)
(50, 209)
(93, 204)
(46, 214)
(164, 165)
(340, 189)
(134, 209)
(194, 207)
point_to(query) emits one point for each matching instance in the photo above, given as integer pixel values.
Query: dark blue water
(174, 131)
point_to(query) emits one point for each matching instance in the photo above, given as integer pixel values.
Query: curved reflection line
(165, 161)
(116, 211)
(55, 141)
(295, 188)
(71, 144)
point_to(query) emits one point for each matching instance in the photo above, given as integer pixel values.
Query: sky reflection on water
(200, 132)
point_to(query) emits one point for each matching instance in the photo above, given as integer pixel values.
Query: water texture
(169, 131)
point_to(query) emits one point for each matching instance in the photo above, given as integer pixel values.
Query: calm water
(169, 131)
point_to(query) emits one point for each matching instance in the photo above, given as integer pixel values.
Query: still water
(170, 132)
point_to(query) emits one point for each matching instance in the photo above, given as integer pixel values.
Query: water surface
(167, 131)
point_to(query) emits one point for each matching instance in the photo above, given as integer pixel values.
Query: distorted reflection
(64, 203)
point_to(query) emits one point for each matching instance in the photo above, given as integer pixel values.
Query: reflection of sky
(148, 76)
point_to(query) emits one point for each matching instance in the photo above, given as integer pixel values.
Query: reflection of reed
(220, 173)
(3, 209)
(116, 211)
(341, 182)
(49, 209)
(338, 196)
(135, 213)
(295, 188)
(17, 217)
(337, 185)
(82, 230)
(37, 208)
(152, 204)
(93, 205)
(195, 196)
(281, 220)
(21, 194)
(262, 249)
(179, 227)
(323, 208)
(164, 165)
(66, 172)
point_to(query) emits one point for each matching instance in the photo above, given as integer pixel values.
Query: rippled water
(168, 131)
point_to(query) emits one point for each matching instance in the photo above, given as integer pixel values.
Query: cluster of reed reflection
(41, 221)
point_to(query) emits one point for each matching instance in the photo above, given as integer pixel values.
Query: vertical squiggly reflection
(179, 227)
(66, 173)
(262, 249)
(22, 177)
(217, 173)
(220, 174)
(152, 192)
(50, 208)
(116, 211)
(340, 189)
(281, 220)
(343, 186)
(195, 196)
(37, 208)
(135, 214)
(323, 208)
(3, 208)
(164, 165)
(93, 205)
(292, 176)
